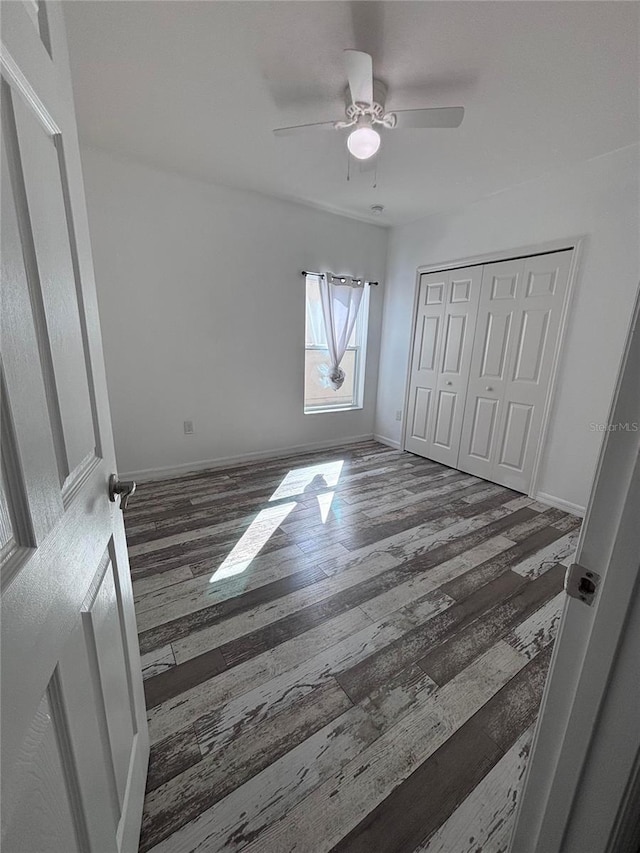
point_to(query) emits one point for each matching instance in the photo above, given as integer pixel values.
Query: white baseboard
(560, 503)
(147, 474)
(390, 442)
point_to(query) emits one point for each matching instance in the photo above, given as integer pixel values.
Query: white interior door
(579, 793)
(519, 316)
(74, 737)
(443, 343)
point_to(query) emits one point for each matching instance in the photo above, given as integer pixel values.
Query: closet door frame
(574, 244)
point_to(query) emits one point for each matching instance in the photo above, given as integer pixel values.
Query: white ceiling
(197, 87)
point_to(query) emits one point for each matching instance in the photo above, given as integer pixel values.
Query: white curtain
(341, 297)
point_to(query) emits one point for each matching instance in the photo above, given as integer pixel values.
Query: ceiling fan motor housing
(375, 109)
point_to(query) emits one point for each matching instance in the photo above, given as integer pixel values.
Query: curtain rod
(321, 275)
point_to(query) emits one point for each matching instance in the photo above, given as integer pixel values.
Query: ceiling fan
(365, 111)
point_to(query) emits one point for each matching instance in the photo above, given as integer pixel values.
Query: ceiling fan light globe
(363, 142)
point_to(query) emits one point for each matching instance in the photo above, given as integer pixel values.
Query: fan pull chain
(375, 174)
(348, 165)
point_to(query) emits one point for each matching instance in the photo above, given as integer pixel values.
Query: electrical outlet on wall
(399, 415)
(188, 428)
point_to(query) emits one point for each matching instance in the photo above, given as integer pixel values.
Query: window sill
(326, 409)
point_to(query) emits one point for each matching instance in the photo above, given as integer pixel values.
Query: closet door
(427, 342)
(459, 323)
(448, 305)
(536, 327)
(517, 330)
(498, 304)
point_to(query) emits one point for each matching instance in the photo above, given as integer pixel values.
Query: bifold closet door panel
(487, 379)
(459, 324)
(442, 347)
(530, 361)
(427, 342)
(518, 324)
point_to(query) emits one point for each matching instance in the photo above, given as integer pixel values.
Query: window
(318, 395)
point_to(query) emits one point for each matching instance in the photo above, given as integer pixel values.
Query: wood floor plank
(203, 697)
(538, 630)
(568, 522)
(391, 523)
(439, 553)
(335, 807)
(559, 551)
(452, 772)
(206, 562)
(175, 755)
(217, 727)
(540, 521)
(208, 524)
(235, 822)
(515, 706)
(493, 567)
(420, 584)
(361, 678)
(157, 661)
(187, 794)
(391, 701)
(173, 681)
(424, 536)
(151, 585)
(437, 486)
(405, 511)
(417, 541)
(485, 493)
(206, 598)
(446, 778)
(211, 539)
(445, 661)
(484, 821)
(200, 631)
(277, 562)
(263, 570)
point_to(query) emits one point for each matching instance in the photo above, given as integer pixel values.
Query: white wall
(597, 198)
(202, 313)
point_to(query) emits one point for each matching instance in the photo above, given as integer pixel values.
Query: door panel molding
(524, 342)
(493, 359)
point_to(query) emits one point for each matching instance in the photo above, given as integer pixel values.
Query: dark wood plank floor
(342, 651)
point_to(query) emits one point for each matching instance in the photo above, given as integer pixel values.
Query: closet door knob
(449, 382)
(489, 388)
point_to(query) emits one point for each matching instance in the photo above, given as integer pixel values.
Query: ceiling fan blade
(360, 76)
(434, 117)
(303, 128)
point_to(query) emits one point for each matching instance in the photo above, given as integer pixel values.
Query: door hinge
(581, 583)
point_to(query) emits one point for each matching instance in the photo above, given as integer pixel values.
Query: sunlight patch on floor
(319, 480)
(324, 476)
(253, 540)
(324, 502)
